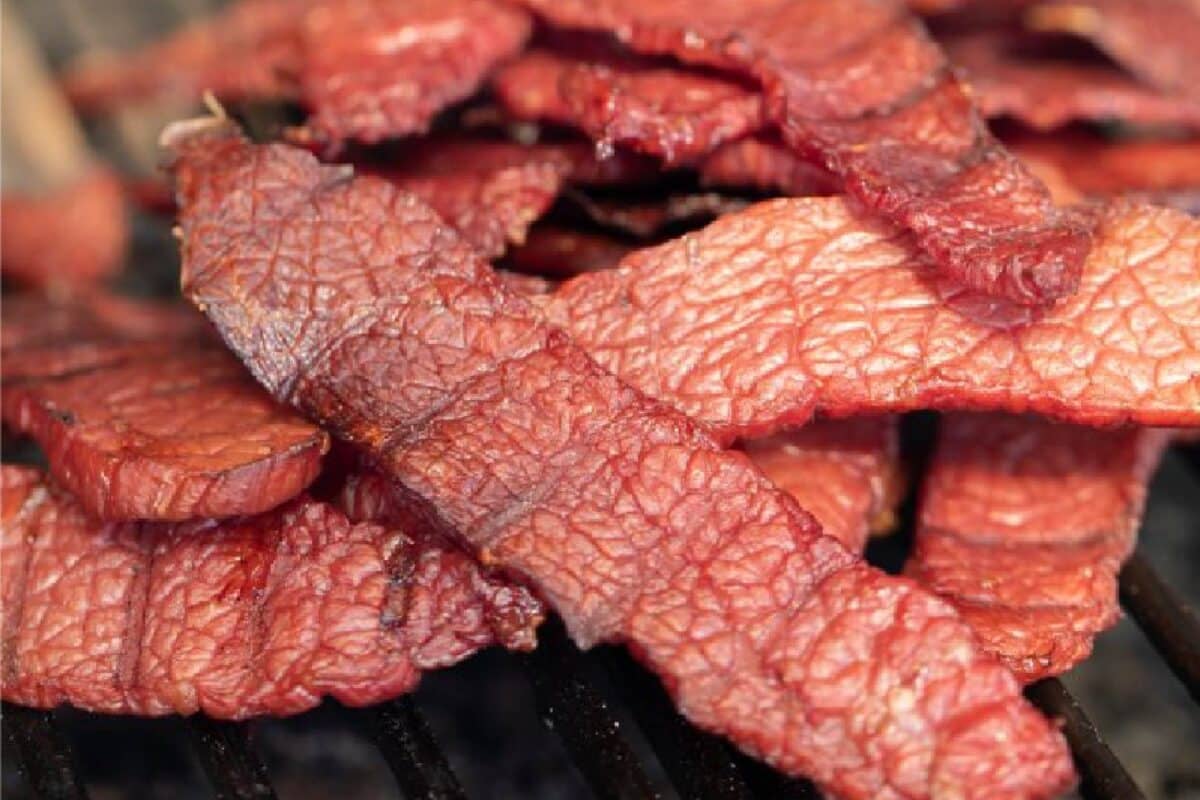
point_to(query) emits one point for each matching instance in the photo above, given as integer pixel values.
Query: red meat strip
(766, 164)
(561, 252)
(860, 86)
(846, 473)
(1009, 77)
(1157, 41)
(490, 191)
(1161, 171)
(250, 50)
(257, 615)
(619, 99)
(72, 236)
(1024, 525)
(168, 430)
(624, 516)
(378, 69)
(796, 306)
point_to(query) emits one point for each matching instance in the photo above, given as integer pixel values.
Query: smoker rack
(576, 709)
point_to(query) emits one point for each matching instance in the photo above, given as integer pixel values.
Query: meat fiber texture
(799, 306)
(628, 519)
(172, 430)
(377, 69)
(259, 615)
(1156, 41)
(72, 236)
(846, 473)
(860, 87)
(1009, 77)
(1024, 525)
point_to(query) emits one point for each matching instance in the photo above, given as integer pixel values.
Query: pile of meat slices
(617, 324)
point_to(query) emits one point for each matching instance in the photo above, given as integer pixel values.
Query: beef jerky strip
(257, 615)
(860, 87)
(766, 164)
(378, 69)
(146, 418)
(795, 306)
(627, 518)
(1010, 78)
(1157, 41)
(1160, 171)
(250, 50)
(560, 252)
(73, 236)
(1024, 524)
(846, 473)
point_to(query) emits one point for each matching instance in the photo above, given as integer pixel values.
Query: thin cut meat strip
(860, 86)
(1024, 525)
(846, 473)
(764, 163)
(160, 430)
(1009, 78)
(622, 514)
(795, 306)
(257, 615)
(73, 236)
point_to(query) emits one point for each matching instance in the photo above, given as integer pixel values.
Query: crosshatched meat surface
(861, 87)
(795, 306)
(627, 518)
(70, 237)
(144, 428)
(257, 615)
(1024, 525)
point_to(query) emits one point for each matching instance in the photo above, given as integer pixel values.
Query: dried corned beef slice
(142, 418)
(1009, 77)
(846, 473)
(379, 69)
(623, 515)
(860, 86)
(250, 50)
(257, 615)
(561, 252)
(1024, 525)
(73, 236)
(795, 306)
(1157, 41)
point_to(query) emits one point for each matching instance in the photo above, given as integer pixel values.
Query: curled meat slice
(378, 69)
(140, 427)
(1157, 41)
(628, 519)
(1010, 77)
(796, 305)
(1024, 525)
(846, 473)
(250, 50)
(72, 236)
(861, 87)
(257, 615)
(764, 163)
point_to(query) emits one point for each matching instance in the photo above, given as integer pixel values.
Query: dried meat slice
(73, 236)
(1010, 76)
(1024, 525)
(561, 252)
(142, 415)
(627, 518)
(766, 164)
(250, 50)
(258, 615)
(378, 69)
(1157, 41)
(795, 306)
(650, 219)
(846, 473)
(862, 88)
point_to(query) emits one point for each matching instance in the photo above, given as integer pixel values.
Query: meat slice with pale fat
(627, 518)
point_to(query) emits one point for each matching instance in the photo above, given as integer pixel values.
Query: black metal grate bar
(573, 708)
(43, 753)
(408, 745)
(229, 760)
(1168, 622)
(1102, 775)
